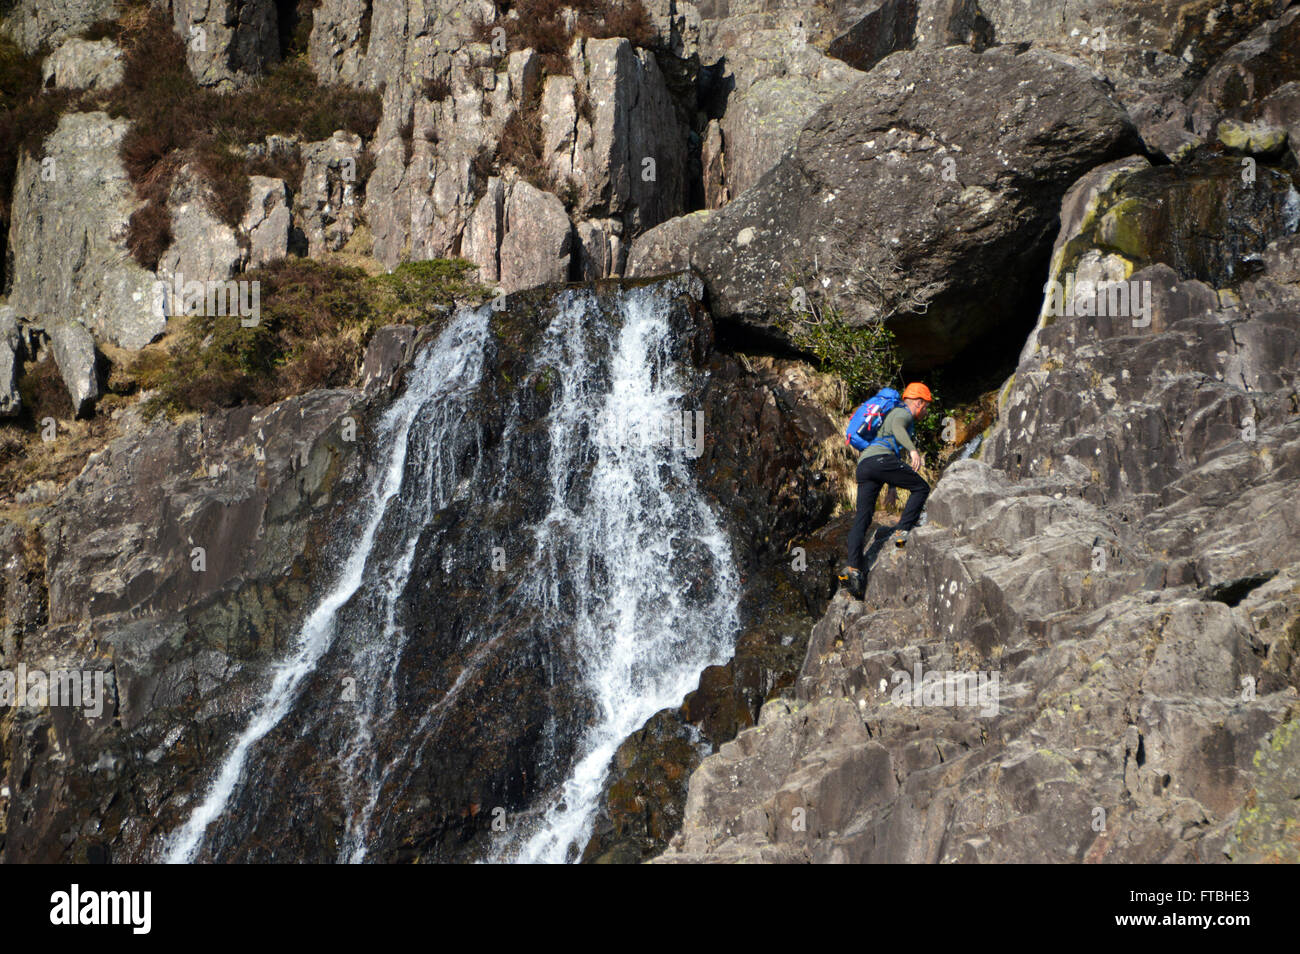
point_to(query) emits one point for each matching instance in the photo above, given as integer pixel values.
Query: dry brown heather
(541, 26)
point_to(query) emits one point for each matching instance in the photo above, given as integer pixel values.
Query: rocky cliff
(1122, 557)
(328, 333)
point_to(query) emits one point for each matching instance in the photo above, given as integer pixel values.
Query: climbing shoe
(900, 539)
(852, 580)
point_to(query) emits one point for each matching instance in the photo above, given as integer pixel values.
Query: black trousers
(873, 473)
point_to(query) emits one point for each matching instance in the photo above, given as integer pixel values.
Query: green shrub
(864, 357)
(315, 321)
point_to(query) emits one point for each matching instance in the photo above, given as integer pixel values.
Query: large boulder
(268, 220)
(666, 248)
(73, 350)
(1251, 80)
(71, 210)
(1152, 51)
(922, 196)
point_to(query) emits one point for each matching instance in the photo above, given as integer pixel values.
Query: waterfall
(443, 373)
(641, 632)
(629, 573)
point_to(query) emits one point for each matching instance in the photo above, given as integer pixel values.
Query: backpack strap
(884, 440)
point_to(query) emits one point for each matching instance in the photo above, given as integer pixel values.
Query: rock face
(70, 213)
(74, 352)
(433, 155)
(614, 146)
(189, 585)
(12, 351)
(35, 23)
(84, 64)
(227, 42)
(536, 239)
(519, 237)
(1136, 641)
(1255, 79)
(894, 187)
(327, 205)
(203, 247)
(769, 80)
(627, 158)
(268, 221)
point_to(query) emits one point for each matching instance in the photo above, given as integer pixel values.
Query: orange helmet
(917, 390)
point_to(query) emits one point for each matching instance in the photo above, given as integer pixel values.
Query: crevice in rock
(1232, 592)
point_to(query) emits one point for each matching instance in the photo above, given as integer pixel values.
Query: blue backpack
(865, 423)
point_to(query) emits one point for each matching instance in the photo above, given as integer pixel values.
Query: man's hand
(917, 461)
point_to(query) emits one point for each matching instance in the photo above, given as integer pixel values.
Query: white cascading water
(442, 375)
(650, 588)
(641, 639)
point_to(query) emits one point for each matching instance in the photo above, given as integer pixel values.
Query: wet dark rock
(178, 563)
(387, 353)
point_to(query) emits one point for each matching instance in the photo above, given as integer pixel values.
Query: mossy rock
(1123, 229)
(1259, 139)
(1268, 829)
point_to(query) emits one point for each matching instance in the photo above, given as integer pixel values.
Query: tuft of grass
(44, 395)
(521, 144)
(316, 319)
(437, 89)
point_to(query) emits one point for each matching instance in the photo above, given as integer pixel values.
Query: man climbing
(879, 464)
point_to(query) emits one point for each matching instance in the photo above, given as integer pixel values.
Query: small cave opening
(1232, 592)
